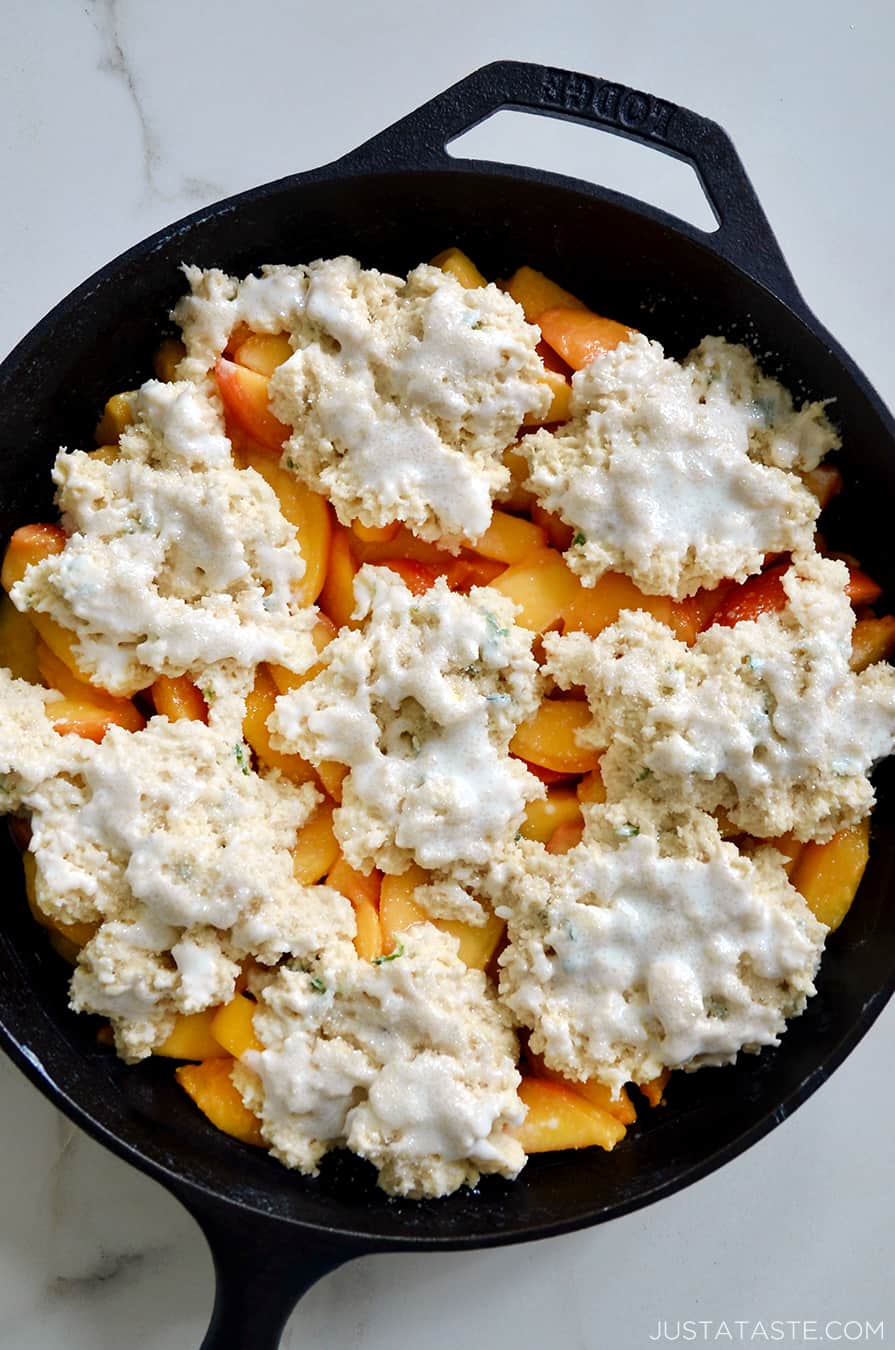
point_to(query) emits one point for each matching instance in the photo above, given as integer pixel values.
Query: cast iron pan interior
(398, 200)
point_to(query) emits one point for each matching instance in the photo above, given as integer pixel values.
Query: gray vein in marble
(118, 63)
(109, 1267)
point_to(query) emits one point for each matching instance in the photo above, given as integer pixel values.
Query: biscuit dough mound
(778, 432)
(30, 750)
(402, 394)
(421, 702)
(764, 719)
(175, 559)
(639, 951)
(661, 477)
(181, 858)
(410, 1063)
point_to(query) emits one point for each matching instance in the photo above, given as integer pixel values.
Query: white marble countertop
(121, 116)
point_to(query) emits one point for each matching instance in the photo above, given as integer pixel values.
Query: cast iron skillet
(398, 199)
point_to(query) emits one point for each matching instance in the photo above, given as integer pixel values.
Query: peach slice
(535, 293)
(259, 706)
(375, 534)
(402, 544)
(79, 710)
(561, 806)
(363, 892)
(560, 401)
(579, 336)
(515, 497)
(322, 634)
(368, 936)
(593, 608)
(117, 417)
(192, 1037)
(508, 539)
(166, 360)
(787, 844)
(263, 352)
(542, 586)
(455, 262)
(245, 395)
(417, 577)
(565, 836)
(232, 1026)
(550, 738)
(825, 482)
(597, 1093)
(70, 717)
(178, 699)
(591, 787)
(399, 909)
(337, 595)
(18, 642)
(872, 640)
(332, 776)
(861, 588)
(477, 944)
(78, 934)
(464, 573)
(559, 533)
(353, 884)
(29, 545)
(307, 511)
(761, 594)
(654, 1090)
(212, 1089)
(558, 1118)
(316, 849)
(828, 875)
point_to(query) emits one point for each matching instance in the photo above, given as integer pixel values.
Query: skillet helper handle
(744, 237)
(261, 1270)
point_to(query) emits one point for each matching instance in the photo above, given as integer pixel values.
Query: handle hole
(615, 162)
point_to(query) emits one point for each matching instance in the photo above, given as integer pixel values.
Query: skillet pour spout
(394, 201)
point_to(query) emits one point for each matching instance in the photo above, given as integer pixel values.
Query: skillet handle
(262, 1267)
(744, 237)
